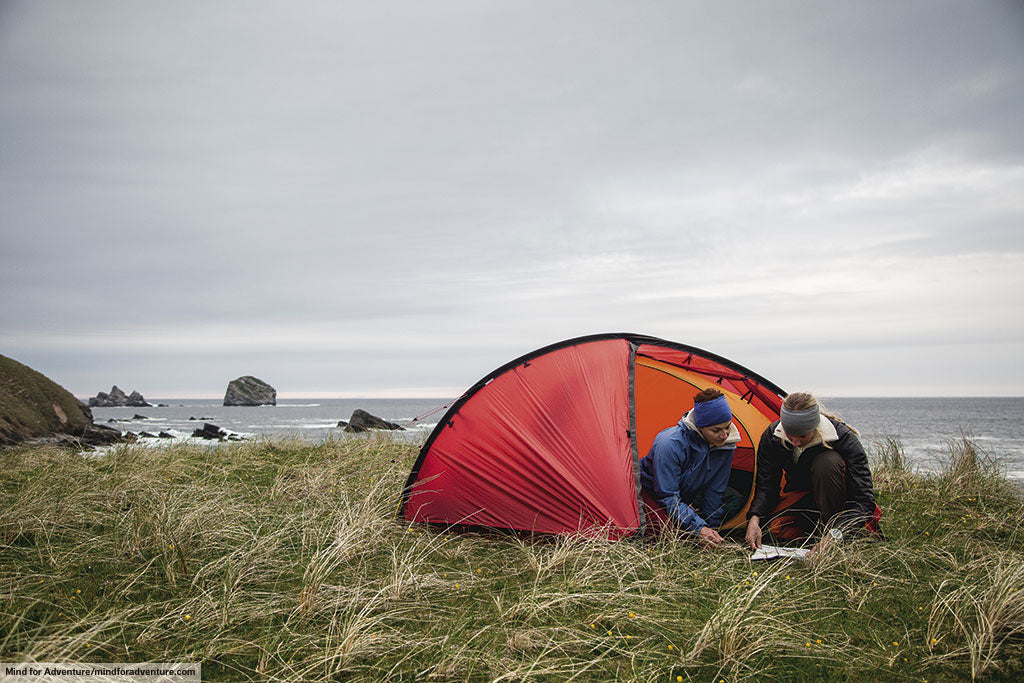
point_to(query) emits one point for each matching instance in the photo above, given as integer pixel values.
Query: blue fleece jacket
(682, 470)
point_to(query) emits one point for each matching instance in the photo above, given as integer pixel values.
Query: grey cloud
(497, 176)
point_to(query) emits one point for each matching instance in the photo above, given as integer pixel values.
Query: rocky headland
(250, 391)
(35, 408)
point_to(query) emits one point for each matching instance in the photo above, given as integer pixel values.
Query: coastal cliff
(33, 406)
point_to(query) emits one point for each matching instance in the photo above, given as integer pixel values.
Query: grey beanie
(800, 422)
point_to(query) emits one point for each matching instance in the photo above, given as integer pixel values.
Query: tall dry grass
(283, 561)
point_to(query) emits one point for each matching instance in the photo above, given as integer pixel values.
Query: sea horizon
(924, 426)
(425, 397)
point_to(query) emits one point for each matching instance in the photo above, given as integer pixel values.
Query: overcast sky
(394, 198)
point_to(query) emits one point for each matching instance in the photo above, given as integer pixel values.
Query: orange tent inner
(663, 392)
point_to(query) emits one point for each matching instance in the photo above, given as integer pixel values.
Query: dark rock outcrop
(362, 421)
(135, 400)
(118, 399)
(32, 406)
(250, 391)
(210, 431)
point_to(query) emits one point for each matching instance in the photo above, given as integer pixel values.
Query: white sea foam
(290, 425)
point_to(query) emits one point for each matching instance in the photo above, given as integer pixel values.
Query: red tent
(551, 442)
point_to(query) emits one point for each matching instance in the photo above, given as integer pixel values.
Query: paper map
(770, 552)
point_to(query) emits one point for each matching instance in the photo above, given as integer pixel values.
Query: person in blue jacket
(687, 469)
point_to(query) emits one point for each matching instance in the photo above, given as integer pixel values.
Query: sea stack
(250, 391)
(118, 399)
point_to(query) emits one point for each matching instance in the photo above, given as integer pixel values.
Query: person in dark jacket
(687, 469)
(823, 459)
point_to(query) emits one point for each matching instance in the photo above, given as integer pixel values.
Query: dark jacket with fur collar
(775, 456)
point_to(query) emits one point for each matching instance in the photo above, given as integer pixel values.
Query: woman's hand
(709, 536)
(754, 533)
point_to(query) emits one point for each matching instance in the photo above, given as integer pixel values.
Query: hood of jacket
(825, 434)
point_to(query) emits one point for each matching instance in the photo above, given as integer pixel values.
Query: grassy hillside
(31, 405)
(282, 561)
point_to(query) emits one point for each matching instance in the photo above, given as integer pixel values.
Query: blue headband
(713, 412)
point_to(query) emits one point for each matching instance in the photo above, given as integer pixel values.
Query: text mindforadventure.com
(112, 672)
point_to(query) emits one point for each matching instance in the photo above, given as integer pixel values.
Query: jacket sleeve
(712, 507)
(769, 478)
(668, 466)
(860, 492)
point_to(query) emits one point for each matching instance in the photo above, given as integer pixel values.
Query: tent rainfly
(551, 442)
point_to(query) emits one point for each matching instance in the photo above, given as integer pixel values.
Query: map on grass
(770, 552)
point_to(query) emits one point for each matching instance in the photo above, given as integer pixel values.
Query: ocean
(925, 426)
(305, 419)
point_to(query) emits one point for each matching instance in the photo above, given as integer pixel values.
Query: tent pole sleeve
(633, 447)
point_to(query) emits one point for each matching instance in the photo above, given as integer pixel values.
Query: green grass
(282, 561)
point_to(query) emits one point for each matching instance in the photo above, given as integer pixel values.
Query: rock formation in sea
(210, 431)
(34, 407)
(250, 391)
(362, 421)
(118, 399)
